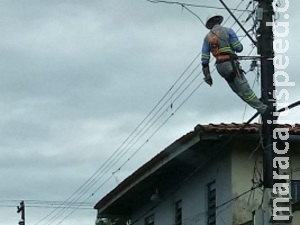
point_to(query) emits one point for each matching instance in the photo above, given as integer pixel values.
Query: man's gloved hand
(208, 80)
(207, 77)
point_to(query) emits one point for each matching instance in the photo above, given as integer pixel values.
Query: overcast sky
(77, 78)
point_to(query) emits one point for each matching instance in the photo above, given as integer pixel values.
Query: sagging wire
(92, 181)
(183, 5)
(134, 153)
(251, 15)
(194, 5)
(193, 14)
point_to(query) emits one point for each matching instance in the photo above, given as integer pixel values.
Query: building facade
(210, 176)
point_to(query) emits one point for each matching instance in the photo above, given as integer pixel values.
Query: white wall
(233, 175)
(243, 161)
(194, 197)
(244, 156)
(296, 218)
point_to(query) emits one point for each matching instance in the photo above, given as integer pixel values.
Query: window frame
(211, 203)
(295, 191)
(178, 212)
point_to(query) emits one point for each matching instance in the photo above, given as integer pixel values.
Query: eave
(163, 171)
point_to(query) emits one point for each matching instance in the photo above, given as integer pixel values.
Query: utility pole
(265, 40)
(265, 49)
(268, 215)
(21, 209)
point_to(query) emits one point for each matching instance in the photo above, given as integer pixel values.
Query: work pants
(239, 84)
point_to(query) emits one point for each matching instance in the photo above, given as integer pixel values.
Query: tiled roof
(250, 128)
(232, 128)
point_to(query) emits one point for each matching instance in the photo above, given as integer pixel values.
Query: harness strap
(214, 41)
(223, 58)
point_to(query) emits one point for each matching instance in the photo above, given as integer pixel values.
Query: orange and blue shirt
(228, 43)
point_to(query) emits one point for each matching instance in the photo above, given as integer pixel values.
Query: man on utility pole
(223, 43)
(276, 208)
(265, 40)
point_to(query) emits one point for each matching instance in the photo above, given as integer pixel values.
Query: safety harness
(213, 39)
(214, 42)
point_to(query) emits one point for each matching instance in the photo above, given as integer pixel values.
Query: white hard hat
(215, 15)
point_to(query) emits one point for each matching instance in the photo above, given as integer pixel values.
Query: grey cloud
(77, 77)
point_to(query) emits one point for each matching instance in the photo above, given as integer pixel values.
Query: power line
(234, 10)
(221, 147)
(237, 21)
(185, 6)
(199, 215)
(165, 95)
(139, 147)
(92, 180)
(234, 198)
(192, 5)
(47, 207)
(43, 202)
(134, 153)
(152, 124)
(165, 120)
(96, 180)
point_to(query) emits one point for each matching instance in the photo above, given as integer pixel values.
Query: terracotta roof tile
(232, 127)
(210, 128)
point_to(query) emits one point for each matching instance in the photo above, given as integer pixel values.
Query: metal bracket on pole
(249, 57)
(253, 57)
(238, 22)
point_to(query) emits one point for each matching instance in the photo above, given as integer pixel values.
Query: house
(209, 176)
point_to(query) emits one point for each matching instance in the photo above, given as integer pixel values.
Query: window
(211, 206)
(178, 212)
(295, 191)
(149, 220)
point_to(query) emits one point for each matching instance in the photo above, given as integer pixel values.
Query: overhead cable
(92, 179)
